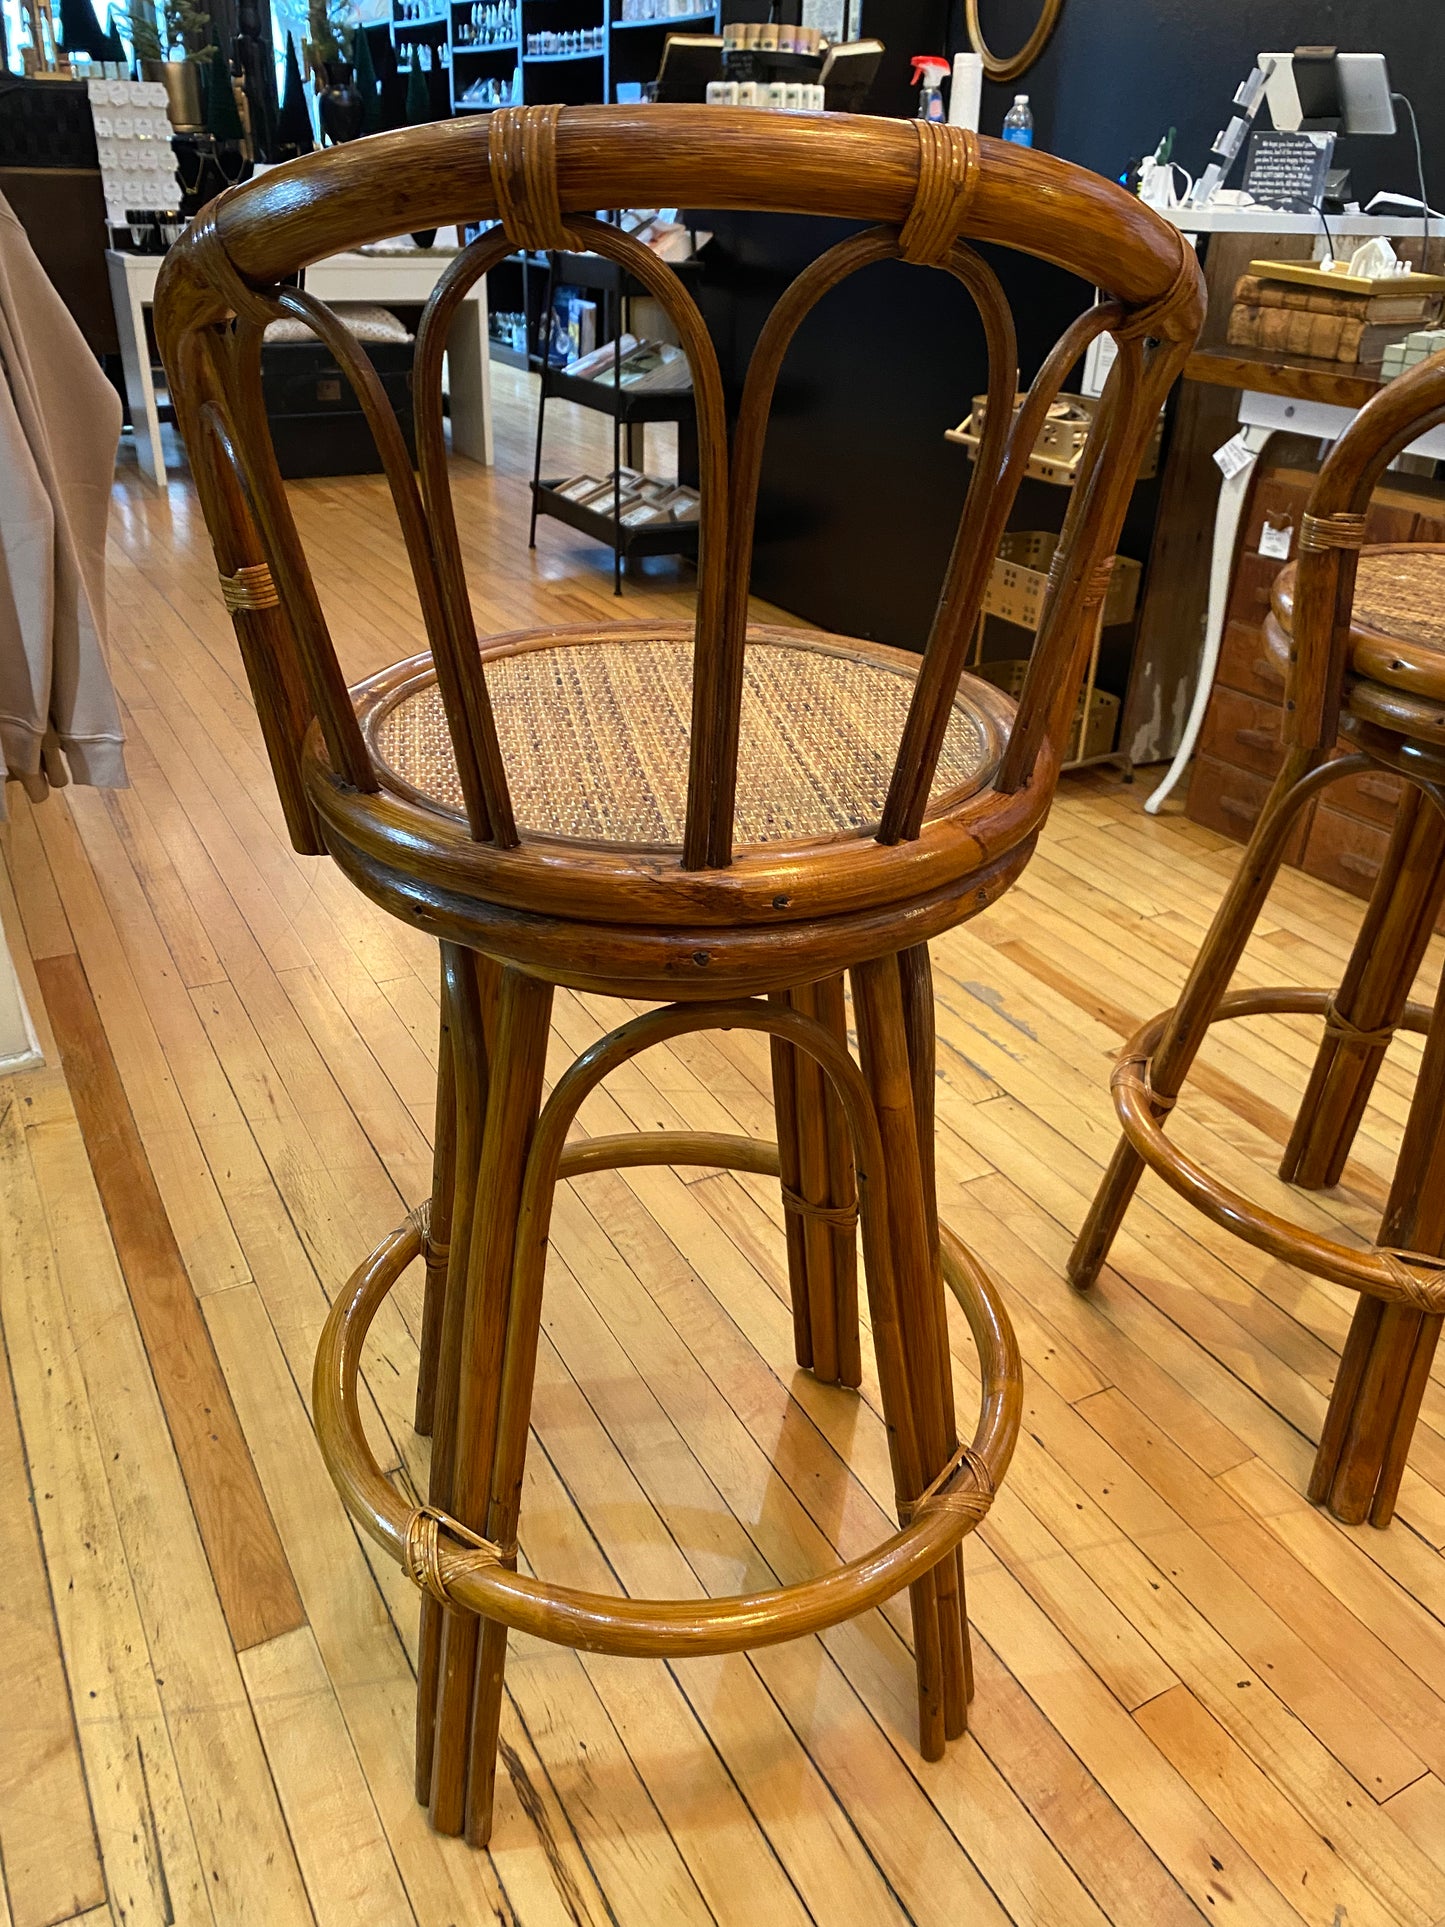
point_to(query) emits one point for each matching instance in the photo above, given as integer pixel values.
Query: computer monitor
(1348, 94)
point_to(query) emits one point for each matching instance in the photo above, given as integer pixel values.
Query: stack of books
(1297, 308)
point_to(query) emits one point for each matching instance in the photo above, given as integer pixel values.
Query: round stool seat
(594, 723)
(1397, 634)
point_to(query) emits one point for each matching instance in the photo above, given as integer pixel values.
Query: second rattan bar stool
(1361, 635)
(720, 817)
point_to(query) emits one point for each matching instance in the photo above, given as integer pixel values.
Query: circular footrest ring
(1406, 1277)
(476, 1576)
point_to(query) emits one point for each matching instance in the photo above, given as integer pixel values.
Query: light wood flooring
(1198, 1698)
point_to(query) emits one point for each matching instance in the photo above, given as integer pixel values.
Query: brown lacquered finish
(1364, 661)
(726, 931)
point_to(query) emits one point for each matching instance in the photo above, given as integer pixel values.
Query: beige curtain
(59, 424)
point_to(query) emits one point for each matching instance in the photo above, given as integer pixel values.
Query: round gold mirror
(1015, 64)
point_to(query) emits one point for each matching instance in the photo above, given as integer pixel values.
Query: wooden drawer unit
(1230, 800)
(1279, 499)
(1243, 731)
(1345, 850)
(1245, 664)
(1254, 576)
(1371, 798)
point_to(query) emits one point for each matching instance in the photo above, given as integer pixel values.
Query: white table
(1260, 417)
(380, 278)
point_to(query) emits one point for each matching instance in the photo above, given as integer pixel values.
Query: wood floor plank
(152, 1866)
(1307, 1872)
(350, 1875)
(252, 1577)
(48, 1850)
(250, 1867)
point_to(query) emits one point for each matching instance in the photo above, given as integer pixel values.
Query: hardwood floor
(1198, 1697)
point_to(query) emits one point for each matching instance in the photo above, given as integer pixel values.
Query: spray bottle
(929, 71)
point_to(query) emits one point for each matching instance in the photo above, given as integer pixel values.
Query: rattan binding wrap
(1339, 531)
(522, 149)
(947, 169)
(251, 587)
(594, 735)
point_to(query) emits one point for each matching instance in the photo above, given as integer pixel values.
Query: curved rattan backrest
(1332, 533)
(542, 171)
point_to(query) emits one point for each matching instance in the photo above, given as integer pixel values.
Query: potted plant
(339, 103)
(172, 50)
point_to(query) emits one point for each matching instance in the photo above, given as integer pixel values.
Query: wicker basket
(1056, 454)
(1020, 580)
(1092, 736)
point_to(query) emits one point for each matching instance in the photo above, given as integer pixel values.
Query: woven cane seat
(1397, 632)
(593, 727)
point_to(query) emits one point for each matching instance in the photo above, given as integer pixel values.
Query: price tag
(1276, 543)
(1235, 456)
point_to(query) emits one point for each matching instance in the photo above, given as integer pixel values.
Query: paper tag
(1275, 542)
(1235, 456)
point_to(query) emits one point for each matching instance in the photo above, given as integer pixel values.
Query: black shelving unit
(610, 280)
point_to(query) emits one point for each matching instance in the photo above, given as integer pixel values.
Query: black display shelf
(464, 47)
(662, 20)
(671, 405)
(668, 538)
(539, 60)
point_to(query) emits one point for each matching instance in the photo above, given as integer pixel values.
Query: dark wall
(861, 493)
(1117, 73)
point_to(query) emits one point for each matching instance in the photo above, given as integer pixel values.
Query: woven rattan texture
(1401, 592)
(594, 737)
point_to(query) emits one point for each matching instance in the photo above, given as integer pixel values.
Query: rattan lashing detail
(422, 1550)
(947, 172)
(1342, 530)
(522, 150)
(595, 734)
(251, 587)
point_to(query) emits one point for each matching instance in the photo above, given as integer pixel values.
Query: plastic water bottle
(1018, 122)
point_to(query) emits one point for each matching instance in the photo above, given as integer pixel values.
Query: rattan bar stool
(1360, 633)
(721, 818)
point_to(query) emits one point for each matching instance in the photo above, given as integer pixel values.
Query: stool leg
(1392, 941)
(1207, 982)
(518, 1059)
(815, 1156)
(883, 1055)
(443, 1190)
(915, 968)
(1387, 1359)
(831, 1012)
(469, 989)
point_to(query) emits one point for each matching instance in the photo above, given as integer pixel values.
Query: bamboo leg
(468, 984)
(1373, 1407)
(438, 1238)
(915, 969)
(1417, 1377)
(842, 1193)
(816, 1172)
(1346, 1390)
(883, 1053)
(517, 1065)
(1189, 1021)
(811, 1124)
(785, 1111)
(1392, 941)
